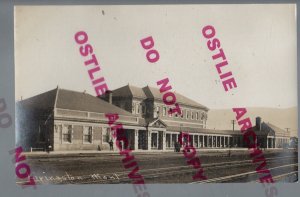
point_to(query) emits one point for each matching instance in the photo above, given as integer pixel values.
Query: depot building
(69, 120)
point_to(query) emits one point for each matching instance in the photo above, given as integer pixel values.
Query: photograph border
(7, 135)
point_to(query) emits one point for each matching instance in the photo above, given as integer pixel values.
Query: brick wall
(77, 134)
(77, 138)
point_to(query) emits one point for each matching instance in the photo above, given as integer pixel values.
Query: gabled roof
(157, 122)
(278, 131)
(154, 93)
(67, 99)
(131, 91)
(42, 101)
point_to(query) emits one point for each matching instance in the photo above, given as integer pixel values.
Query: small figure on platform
(111, 144)
(177, 147)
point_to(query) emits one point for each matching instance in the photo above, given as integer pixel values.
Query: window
(67, 134)
(164, 111)
(137, 108)
(202, 116)
(197, 116)
(143, 109)
(157, 109)
(181, 114)
(192, 115)
(42, 132)
(106, 135)
(156, 112)
(87, 134)
(169, 112)
(133, 108)
(187, 114)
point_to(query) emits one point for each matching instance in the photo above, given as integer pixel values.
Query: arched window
(187, 114)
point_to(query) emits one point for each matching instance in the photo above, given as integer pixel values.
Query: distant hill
(282, 118)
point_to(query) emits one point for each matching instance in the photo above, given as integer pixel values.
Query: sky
(259, 42)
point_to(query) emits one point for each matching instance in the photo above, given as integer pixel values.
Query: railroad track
(231, 177)
(177, 170)
(281, 176)
(171, 171)
(116, 157)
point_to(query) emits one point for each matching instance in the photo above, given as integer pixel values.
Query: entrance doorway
(154, 140)
(168, 140)
(142, 140)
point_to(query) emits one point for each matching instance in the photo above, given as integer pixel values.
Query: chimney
(258, 123)
(107, 96)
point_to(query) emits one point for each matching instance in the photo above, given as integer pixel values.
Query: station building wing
(61, 120)
(271, 136)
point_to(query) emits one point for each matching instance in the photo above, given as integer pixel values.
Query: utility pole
(287, 130)
(232, 122)
(229, 150)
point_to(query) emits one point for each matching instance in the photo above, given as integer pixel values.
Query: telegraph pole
(287, 130)
(229, 151)
(232, 122)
